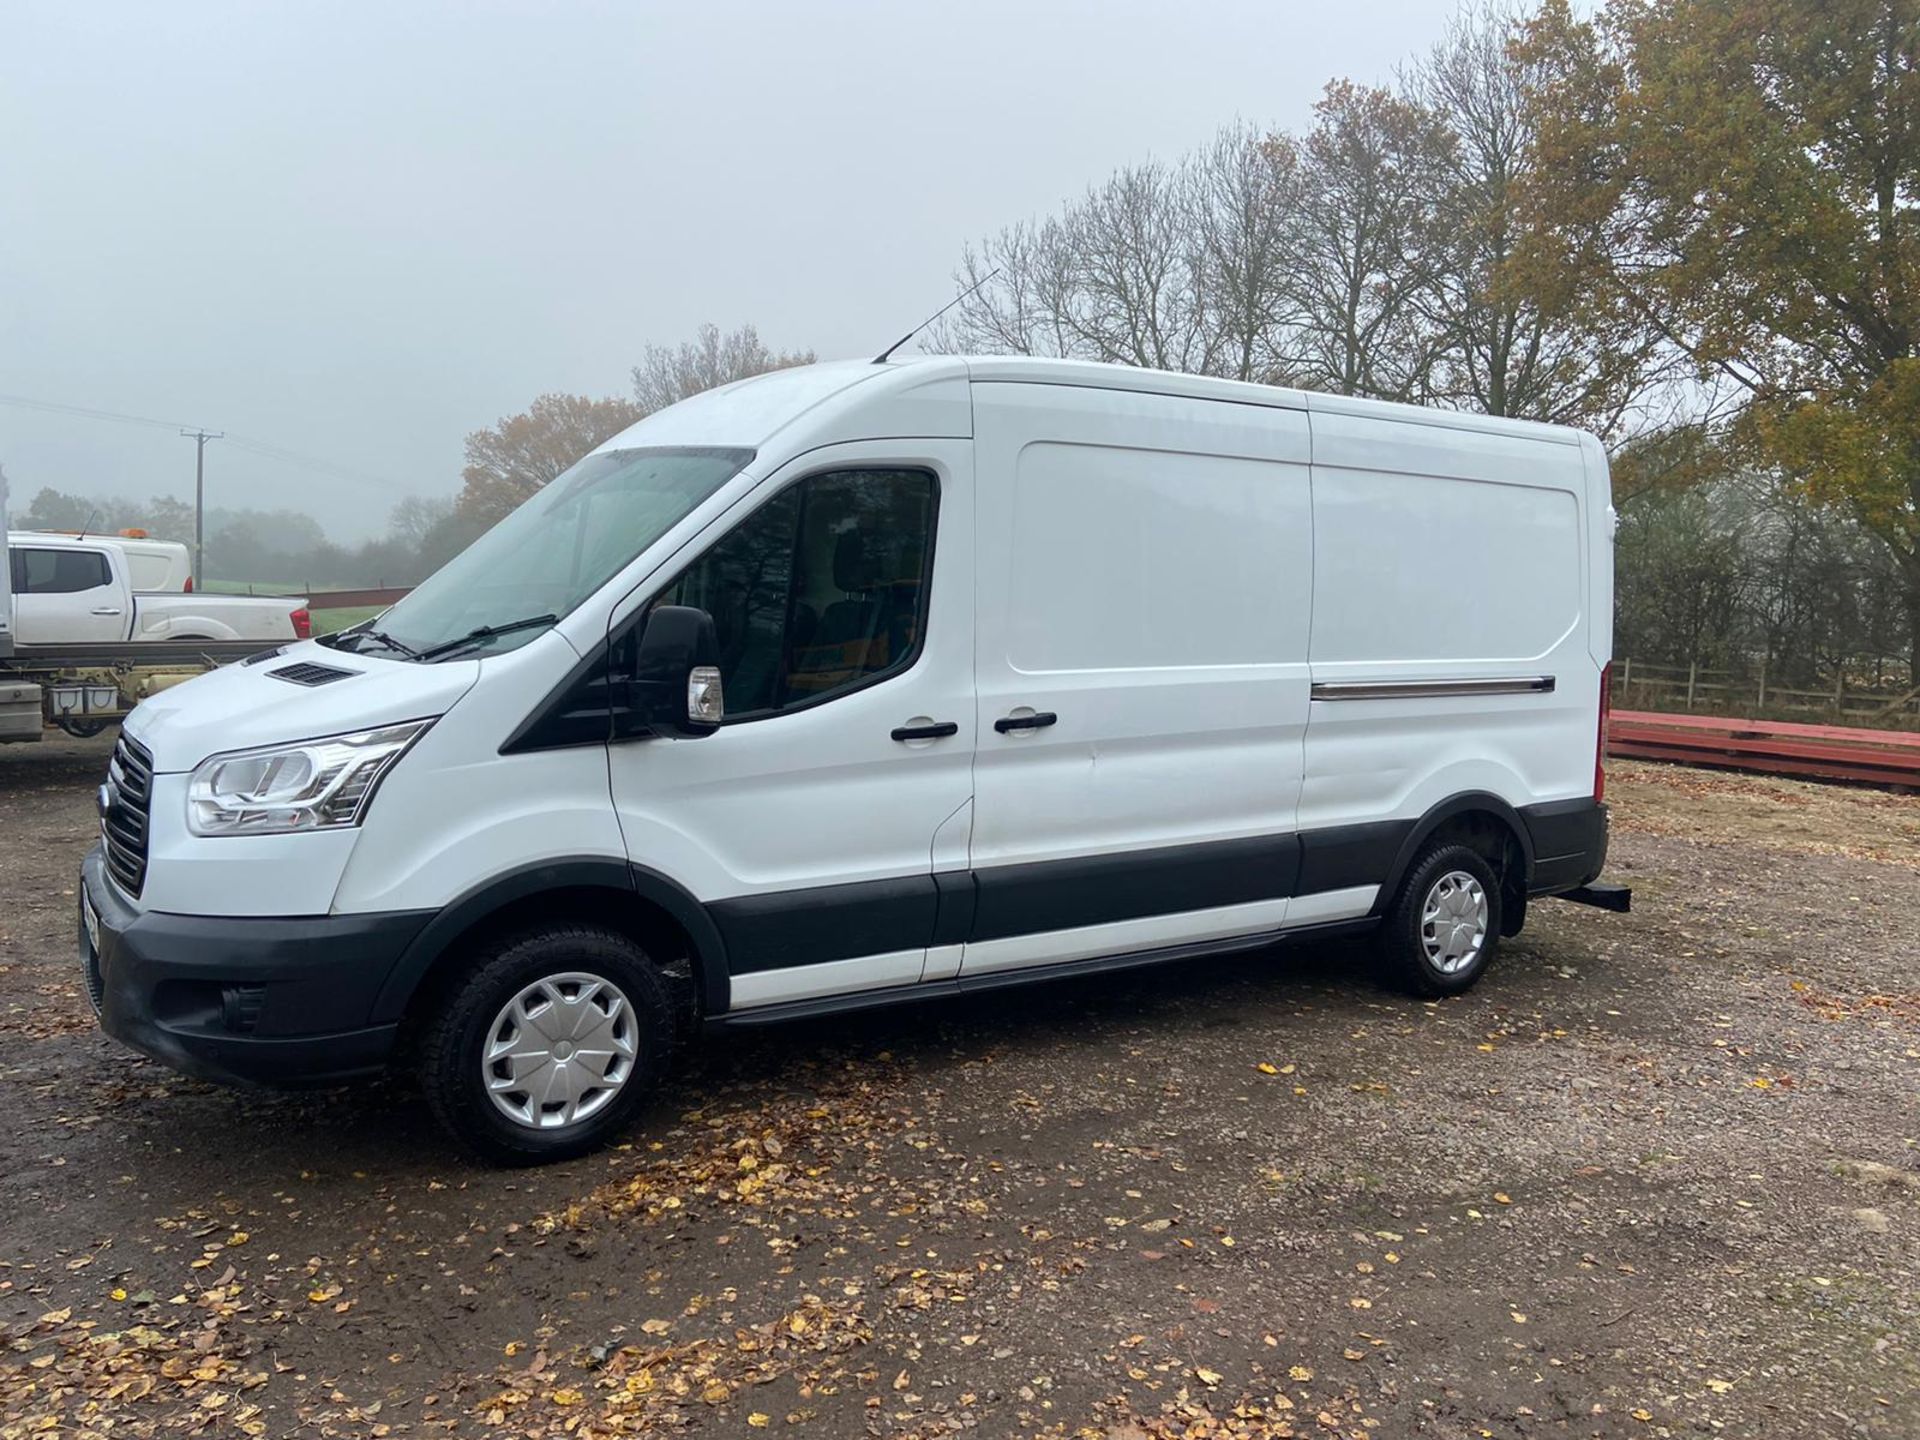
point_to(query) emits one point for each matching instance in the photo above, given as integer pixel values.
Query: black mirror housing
(675, 688)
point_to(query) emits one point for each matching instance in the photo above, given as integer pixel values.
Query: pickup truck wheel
(1441, 932)
(548, 1045)
(82, 729)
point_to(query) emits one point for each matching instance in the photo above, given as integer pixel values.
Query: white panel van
(865, 683)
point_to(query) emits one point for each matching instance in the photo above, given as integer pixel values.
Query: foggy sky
(360, 231)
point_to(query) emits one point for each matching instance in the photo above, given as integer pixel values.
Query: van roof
(1032, 370)
(749, 411)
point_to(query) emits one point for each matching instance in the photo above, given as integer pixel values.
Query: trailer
(83, 688)
(84, 685)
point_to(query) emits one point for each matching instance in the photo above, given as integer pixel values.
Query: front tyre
(548, 1045)
(1444, 926)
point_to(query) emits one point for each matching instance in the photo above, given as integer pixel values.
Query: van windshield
(548, 556)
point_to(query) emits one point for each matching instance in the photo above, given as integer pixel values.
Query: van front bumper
(241, 999)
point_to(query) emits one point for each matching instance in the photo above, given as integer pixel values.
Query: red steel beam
(1826, 752)
(1899, 739)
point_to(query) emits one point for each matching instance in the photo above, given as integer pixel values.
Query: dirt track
(1657, 1175)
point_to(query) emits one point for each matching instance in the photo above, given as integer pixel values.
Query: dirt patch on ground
(1794, 815)
(1656, 1176)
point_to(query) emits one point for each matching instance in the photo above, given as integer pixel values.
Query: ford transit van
(864, 683)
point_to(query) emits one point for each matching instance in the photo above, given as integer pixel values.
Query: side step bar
(1602, 896)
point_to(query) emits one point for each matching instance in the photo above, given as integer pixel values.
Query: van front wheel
(549, 1044)
(1444, 926)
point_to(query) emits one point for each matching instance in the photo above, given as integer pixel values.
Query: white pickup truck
(74, 590)
(80, 646)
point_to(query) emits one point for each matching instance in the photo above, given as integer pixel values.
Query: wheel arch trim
(1466, 803)
(617, 878)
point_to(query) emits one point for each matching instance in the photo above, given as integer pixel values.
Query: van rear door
(1145, 570)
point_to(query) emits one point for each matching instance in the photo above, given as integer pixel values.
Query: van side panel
(1442, 556)
(1145, 567)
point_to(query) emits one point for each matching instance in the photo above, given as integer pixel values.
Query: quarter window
(58, 572)
(821, 590)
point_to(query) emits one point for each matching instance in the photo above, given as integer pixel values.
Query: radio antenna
(881, 358)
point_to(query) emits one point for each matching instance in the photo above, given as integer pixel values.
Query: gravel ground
(1656, 1176)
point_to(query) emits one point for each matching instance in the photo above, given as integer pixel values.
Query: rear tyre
(1443, 928)
(549, 1044)
(82, 729)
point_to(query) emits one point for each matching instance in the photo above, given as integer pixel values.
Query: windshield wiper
(485, 632)
(381, 637)
(340, 639)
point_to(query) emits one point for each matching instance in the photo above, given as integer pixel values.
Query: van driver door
(812, 822)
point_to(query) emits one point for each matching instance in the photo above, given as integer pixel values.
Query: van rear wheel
(1441, 932)
(549, 1044)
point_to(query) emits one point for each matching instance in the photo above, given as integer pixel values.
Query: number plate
(91, 920)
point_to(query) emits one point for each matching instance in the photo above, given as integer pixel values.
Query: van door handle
(937, 731)
(1039, 720)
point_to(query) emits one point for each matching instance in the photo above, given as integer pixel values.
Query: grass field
(249, 587)
(326, 622)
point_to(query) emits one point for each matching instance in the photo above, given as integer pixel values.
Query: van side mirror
(676, 674)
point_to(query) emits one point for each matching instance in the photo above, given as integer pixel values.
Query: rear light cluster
(1600, 739)
(187, 589)
(302, 623)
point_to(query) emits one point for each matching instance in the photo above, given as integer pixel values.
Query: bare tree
(669, 374)
(1247, 211)
(1368, 245)
(1513, 345)
(1171, 266)
(415, 517)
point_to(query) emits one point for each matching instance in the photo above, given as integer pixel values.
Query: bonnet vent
(306, 672)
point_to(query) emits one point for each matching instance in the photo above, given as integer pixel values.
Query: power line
(260, 448)
(24, 403)
(307, 462)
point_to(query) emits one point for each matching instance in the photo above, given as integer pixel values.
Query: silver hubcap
(559, 1051)
(1453, 922)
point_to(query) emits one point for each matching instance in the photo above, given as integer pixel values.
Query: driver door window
(820, 591)
(58, 572)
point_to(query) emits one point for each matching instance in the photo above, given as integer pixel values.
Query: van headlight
(315, 785)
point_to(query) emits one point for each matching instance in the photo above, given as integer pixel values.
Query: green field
(325, 622)
(248, 587)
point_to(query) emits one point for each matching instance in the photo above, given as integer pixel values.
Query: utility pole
(200, 439)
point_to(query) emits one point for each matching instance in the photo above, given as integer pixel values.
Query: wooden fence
(1724, 692)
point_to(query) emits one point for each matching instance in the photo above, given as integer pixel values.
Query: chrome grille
(123, 813)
